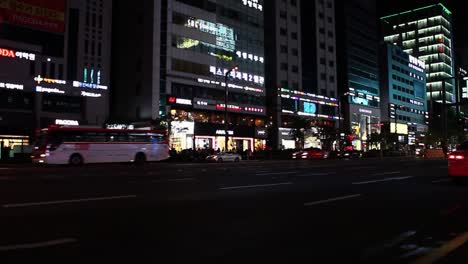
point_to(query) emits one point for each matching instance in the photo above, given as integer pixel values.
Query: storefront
(193, 135)
(182, 135)
(286, 137)
(364, 122)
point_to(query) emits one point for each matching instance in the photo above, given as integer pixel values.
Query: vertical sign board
(46, 15)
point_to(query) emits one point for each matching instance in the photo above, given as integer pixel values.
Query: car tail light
(456, 157)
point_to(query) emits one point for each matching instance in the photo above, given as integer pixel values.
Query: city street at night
(395, 210)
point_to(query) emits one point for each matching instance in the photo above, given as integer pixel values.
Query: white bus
(77, 146)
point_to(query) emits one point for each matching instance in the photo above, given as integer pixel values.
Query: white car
(225, 157)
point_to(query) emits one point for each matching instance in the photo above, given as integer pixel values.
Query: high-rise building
(358, 68)
(55, 61)
(295, 91)
(426, 33)
(403, 94)
(319, 58)
(171, 58)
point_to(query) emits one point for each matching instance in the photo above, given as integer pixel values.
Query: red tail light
(456, 157)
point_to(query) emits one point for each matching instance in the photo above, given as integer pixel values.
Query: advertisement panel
(39, 14)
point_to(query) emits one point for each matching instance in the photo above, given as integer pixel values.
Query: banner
(40, 14)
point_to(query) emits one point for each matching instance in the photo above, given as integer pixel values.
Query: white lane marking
(95, 199)
(332, 199)
(255, 186)
(180, 180)
(6, 168)
(275, 173)
(360, 168)
(39, 244)
(383, 180)
(441, 180)
(316, 174)
(386, 173)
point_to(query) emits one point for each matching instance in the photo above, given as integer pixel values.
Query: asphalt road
(395, 210)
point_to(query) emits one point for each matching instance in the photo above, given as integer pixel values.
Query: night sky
(460, 19)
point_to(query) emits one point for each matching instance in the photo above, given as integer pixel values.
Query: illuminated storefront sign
(310, 108)
(253, 3)
(238, 75)
(65, 122)
(249, 56)
(119, 126)
(401, 128)
(254, 109)
(17, 54)
(39, 80)
(230, 107)
(223, 132)
(11, 86)
(231, 85)
(89, 85)
(175, 100)
(87, 94)
(365, 111)
(41, 89)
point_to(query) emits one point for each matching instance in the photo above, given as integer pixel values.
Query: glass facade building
(426, 33)
(358, 68)
(403, 90)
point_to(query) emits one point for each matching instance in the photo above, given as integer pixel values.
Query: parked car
(224, 157)
(311, 153)
(458, 163)
(350, 154)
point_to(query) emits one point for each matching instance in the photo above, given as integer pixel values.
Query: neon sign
(223, 132)
(64, 122)
(238, 75)
(11, 86)
(310, 108)
(7, 53)
(87, 94)
(89, 85)
(41, 89)
(249, 56)
(174, 100)
(253, 4)
(39, 79)
(230, 107)
(17, 54)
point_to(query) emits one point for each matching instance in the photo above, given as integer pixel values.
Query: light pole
(226, 96)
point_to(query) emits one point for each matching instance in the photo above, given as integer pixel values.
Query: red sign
(7, 53)
(172, 100)
(41, 14)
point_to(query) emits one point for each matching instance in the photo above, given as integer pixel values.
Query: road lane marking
(275, 173)
(95, 199)
(256, 186)
(333, 199)
(383, 180)
(360, 168)
(44, 244)
(441, 252)
(386, 173)
(441, 180)
(316, 174)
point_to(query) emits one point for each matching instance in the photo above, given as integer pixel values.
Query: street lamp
(226, 96)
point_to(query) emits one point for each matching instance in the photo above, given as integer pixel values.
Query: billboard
(39, 14)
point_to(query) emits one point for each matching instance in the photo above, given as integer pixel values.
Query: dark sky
(460, 19)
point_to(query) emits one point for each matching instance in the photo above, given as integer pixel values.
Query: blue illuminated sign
(310, 108)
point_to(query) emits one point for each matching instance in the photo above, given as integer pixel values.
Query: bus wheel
(140, 158)
(76, 160)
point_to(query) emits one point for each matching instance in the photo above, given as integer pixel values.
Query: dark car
(458, 163)
(350, 154)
